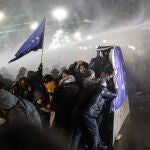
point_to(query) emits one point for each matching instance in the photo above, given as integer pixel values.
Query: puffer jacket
(19, 111)
(94, 108)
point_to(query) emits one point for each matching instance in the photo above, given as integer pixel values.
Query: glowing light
(84, 48)
(34, 25)
(1, 16)
(104, 41)
(67, 39)
(123, 87)
(89, 37)
(59, 32)
(60, 14)
(54, 46)
(131, 47)
(60, 39)
(77, 36)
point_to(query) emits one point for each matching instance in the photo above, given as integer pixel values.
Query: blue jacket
(94, 108)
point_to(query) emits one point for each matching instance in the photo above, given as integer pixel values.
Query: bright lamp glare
(89, 37)
(1, 16)
(34, 25)
(77, 36)
(132, 47)
(104, 41)
(60, 14)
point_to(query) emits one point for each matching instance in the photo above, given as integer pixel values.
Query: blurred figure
(105, 118)
(25, 89)
(17, 111)
(66, 78)
(50, 86)
(42, 104)
(82, 72)
(35, 77)
(87, 119)
(21, 73)
(6, 82)
(28, 137)
(14, 88)
(100, 61)
(65, 96)
(55, 73)
(6, 74)
(97, 64)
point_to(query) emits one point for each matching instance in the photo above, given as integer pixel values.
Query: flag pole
(42, 56)
(43, 41)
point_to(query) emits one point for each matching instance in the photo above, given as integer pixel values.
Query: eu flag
(120, 78)
(33, 43)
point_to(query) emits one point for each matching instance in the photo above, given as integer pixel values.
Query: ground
(136, 129)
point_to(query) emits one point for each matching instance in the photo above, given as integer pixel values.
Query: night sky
(122, 22)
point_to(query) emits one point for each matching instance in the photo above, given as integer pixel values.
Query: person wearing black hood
(35, 77)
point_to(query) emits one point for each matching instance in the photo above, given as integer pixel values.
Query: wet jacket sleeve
(108, 94)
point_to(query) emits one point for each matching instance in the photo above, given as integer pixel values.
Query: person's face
(14, 89)
(64, 75)
(82, 69)
(39, 99)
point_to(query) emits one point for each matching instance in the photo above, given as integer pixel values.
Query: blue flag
(120, 78)
(33, 43)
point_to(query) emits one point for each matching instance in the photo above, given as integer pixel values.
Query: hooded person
(17, 111)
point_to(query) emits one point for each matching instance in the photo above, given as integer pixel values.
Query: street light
(34, 25)
(1, 16)
(60, 14)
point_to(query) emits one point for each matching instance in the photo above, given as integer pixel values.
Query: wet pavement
(136, 129)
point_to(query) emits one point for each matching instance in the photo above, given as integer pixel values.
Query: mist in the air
(88, 24)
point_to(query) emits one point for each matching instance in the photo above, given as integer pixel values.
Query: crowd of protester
(75, 101)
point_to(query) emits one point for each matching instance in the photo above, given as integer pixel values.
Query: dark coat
(95, 106)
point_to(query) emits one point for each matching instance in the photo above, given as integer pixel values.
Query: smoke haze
(100, 22)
